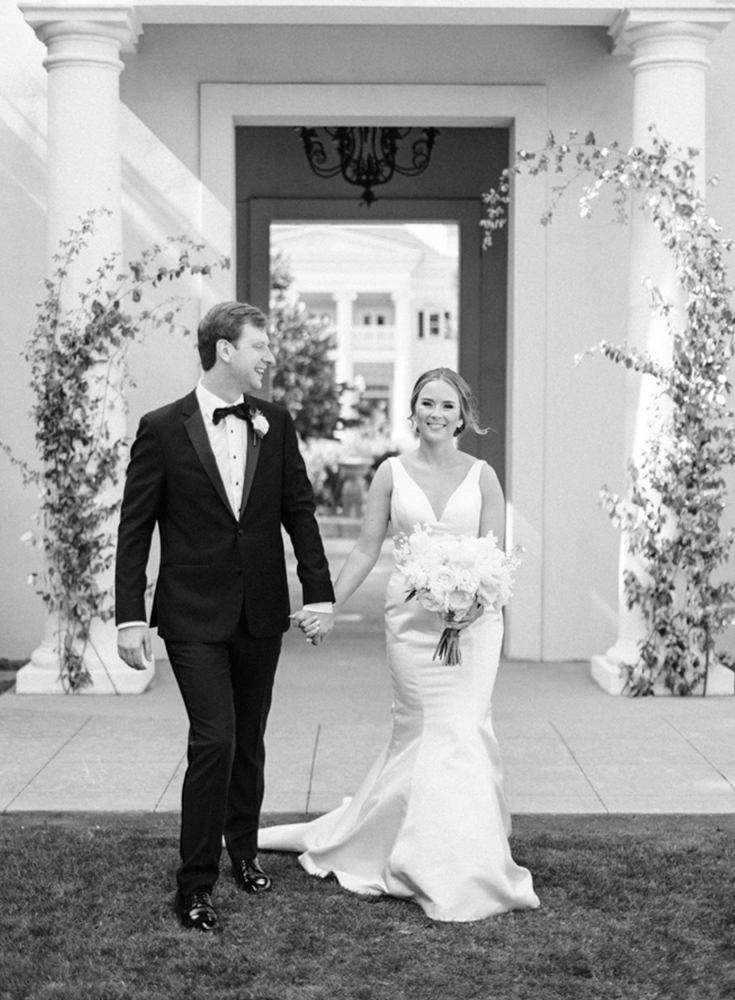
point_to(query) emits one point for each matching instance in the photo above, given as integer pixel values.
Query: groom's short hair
(225, 322)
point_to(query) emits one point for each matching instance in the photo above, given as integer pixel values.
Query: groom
(220, 474)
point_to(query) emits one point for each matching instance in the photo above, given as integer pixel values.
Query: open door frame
(483, 286)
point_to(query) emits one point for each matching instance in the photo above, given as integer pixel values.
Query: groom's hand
(316, 625)
(325, 621)
(134, 646)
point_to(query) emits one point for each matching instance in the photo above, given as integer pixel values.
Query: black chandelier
(366, 157)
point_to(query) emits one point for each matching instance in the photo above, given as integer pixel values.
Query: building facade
(155, 110)
(389, 296)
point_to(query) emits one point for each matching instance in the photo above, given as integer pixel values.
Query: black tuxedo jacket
(215, 565)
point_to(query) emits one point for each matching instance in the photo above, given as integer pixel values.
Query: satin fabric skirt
(429, 822)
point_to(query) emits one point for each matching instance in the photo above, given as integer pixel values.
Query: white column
(669, 65)
(83, 173)
(402, 375)
(344, 324)
(83, 160)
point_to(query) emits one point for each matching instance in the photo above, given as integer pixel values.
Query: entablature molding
(438, 13)
(124, 21)
(697, 23)
(118, 21)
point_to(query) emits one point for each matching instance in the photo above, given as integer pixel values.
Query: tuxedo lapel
(194, 424)
(251, 461)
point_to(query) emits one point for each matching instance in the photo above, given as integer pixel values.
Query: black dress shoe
(250, 876)
(195, 910)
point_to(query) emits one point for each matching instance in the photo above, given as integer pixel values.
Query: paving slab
(568, 747)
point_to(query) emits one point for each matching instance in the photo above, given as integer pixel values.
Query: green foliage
(304, 377)
(76, 358)
(671, 518)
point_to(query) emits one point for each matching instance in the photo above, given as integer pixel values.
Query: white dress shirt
(229, 443)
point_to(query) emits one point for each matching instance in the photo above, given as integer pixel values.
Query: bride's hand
(472, 615)
(315, 625)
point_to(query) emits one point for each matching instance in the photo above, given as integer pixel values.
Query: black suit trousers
(227, 689)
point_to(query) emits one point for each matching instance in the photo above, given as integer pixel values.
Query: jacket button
(238, 571)
(240, 531)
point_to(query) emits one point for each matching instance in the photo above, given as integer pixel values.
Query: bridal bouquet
(450, 574)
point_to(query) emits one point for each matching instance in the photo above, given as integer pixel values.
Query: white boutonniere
(259, 423)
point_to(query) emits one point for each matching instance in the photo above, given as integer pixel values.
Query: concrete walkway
(567, 746)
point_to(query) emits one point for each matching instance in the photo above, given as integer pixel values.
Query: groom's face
(250, 358)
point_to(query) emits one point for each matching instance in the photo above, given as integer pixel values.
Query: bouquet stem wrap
(447, 649)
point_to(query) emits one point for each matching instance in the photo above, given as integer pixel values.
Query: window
(371, 316)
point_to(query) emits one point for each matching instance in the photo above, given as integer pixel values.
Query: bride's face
(437, 412)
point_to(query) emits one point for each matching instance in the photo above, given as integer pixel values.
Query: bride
(429, 822)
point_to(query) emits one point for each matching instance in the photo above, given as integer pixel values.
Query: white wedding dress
(429, 822)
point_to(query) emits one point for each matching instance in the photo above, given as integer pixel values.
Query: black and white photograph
(367, 462)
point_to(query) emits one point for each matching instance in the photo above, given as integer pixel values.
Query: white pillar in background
(345, 322)
(83, 43)
(669, 65)
(402, 374)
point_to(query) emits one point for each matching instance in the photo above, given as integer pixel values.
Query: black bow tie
(241, 410)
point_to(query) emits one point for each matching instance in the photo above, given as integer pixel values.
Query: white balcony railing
(373, 338)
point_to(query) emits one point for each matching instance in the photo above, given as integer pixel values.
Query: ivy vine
(672, 515)
(78, 374)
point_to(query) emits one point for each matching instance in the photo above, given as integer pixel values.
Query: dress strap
(476, 470)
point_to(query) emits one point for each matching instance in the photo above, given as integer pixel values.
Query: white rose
(442, 580)
(432, 602)
(460, 601)
(468, 579)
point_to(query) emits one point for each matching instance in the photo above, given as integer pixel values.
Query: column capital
(115, 23)
(668, 35)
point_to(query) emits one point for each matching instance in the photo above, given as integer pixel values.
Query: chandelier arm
(367, 156)
(420, 154)
(316, 153)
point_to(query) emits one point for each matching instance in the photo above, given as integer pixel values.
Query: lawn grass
(632, 908)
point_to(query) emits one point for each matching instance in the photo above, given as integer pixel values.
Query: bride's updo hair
(467, 402)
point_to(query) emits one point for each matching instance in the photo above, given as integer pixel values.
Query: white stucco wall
(22, 245)
(587, 262)
(161, 198)
(581, 412)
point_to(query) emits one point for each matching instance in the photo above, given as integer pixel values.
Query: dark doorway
(275, 185)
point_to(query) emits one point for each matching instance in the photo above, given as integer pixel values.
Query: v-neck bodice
(411, 506)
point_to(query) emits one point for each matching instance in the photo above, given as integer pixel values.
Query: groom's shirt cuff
(324, 608)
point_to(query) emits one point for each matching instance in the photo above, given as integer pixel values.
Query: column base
(609, 676)
(110, 675)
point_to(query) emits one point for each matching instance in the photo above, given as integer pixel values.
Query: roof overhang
(436, 13)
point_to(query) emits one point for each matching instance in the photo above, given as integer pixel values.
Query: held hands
(316, 625)
(134, 646)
